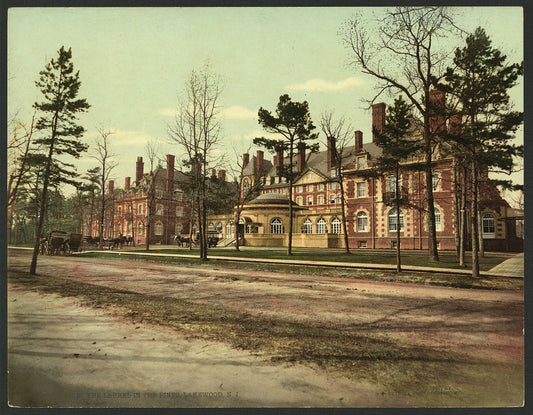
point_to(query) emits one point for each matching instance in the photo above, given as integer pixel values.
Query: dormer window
(361, 163)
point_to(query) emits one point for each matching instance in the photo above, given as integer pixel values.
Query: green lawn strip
(388, 257)
(345, 350)
(436, 279)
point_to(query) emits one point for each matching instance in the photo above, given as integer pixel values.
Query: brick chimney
(213, 172)
(378, 119)
(110, 187)
(437, 121)
(245, 160)
(301, 157)
(331, 152)
(455, 124)
(358, 142)
(139, 170)
(222, 175)
(170, 175)
(278, 161)
(127, 183)
(259, 161)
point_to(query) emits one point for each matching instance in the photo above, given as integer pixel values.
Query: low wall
(299, 240)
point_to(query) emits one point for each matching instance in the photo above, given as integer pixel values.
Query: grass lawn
(382, 256)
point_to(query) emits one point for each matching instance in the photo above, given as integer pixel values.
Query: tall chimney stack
(358, 142)
(331, 152)
(378, 119)
(301, 157)
(170, 175)
(127, 183)
(259, 161)
(437, 119)
(139, 170)
(222, 175)
(110, 187)
(245, 160)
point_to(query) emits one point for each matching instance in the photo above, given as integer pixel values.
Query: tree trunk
(289, 247)
(463, 227)
(344, 225)
(432, 235)
(456, 209)
(473, 209)
(398, 239)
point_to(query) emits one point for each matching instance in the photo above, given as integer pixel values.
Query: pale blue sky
(134, 61)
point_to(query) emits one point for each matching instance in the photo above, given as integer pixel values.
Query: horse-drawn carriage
(60, 243)
(185, 241)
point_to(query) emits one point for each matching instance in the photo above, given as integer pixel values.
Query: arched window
(361, 222)
(488, 226)
(438, 220)
(307, 226)
(230, 229)
(179, 228)
(245, 186)
(158, 228)
(219, 228)
(393, 220)
(276, 226)
(299, 200)
(336, 225)
(128, 228)
(321, 226)
(140, 209)
(139, 229)
(210, 227)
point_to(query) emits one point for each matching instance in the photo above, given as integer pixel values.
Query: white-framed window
(361, 220)
(307, 226)
(309, 176)
(339, 199)
(128, 228)
(333, 185)
(139, 229)
(300, 200)
(321, 226)
(391, 185)
(119, 228)
(361, 189)
(158, 228)
(393, 220)
(179, 196)
(332, 199)
(211, 227)
(179, 228)
(159, 194)
(309, 200)
(435, 182)
(336, 226)
(488, 226)
(320, 186)
(299, 188)
(438, 220)
(245, 186)
(230, 229)
(321, 199)
(179, 211)
(140, 209)
(362, 244)
(276, 226)
(361, 163)
(159, 209)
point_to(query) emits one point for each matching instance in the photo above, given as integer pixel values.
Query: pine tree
(480, 81)
(61, 135)
(398, 146)
(293, 124)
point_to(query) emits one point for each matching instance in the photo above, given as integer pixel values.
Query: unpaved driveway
(55, 339)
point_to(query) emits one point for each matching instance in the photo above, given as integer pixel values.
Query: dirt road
(86, 357)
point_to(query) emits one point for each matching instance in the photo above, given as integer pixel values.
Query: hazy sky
(134, 61)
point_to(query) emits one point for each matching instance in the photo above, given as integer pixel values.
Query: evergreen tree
(398, 146)
(293, 124)
(61, 135)
(480, 81)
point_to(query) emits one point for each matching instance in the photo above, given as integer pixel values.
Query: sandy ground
(61, 354)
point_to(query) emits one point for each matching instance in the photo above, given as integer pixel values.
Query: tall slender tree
(403, 55)
(293, 125)
(340, 131)
(480, 81)
(57, 123)
(398, 146)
